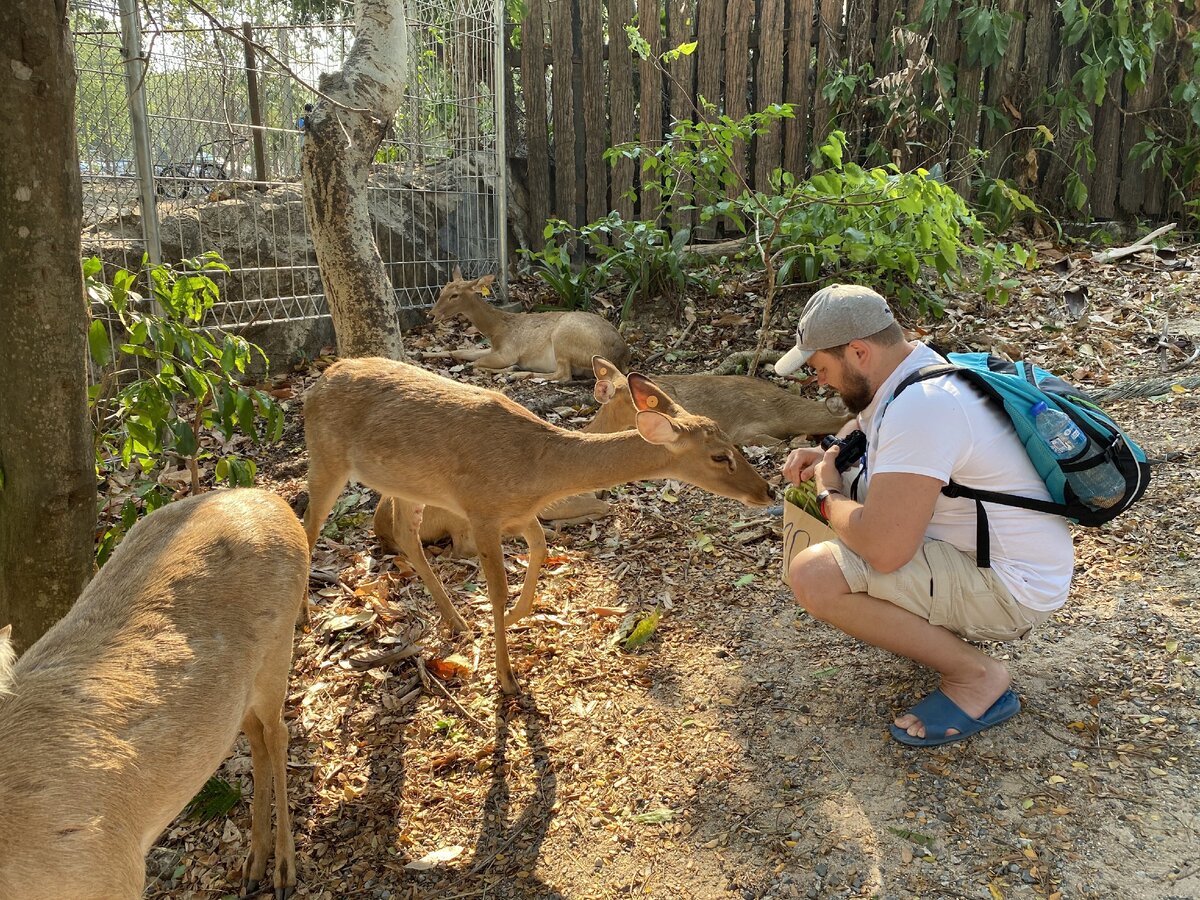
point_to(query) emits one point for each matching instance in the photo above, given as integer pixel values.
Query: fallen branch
(1146, 387)
(1112, 255)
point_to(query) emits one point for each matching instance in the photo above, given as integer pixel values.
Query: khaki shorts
(944, 586)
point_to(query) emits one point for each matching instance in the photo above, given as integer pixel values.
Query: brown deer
(751, 411)
(559, 343)
(423, 439)
(115, 719)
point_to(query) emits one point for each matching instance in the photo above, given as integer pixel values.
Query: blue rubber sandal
(939, 714)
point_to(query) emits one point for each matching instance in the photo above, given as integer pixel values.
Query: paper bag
(800, 530)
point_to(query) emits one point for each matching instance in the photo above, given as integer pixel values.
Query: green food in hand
(804, 495)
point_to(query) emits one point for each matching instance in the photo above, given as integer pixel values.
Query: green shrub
(169, 383)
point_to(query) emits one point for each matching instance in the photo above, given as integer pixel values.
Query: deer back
(745, 408)
(116, 717)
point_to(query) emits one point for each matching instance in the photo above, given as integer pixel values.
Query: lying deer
(423, 439)
(559, 343)
(750, 410)
(115, 719)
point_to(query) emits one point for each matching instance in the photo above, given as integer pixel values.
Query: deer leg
(470, 354)
(275, 735)
(324, 485)
(255, 866)
(562, 368)
(535, 539)
(407, 521)
(496, 359)
(491, 558)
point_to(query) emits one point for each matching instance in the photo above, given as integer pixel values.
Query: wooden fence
(582, 81)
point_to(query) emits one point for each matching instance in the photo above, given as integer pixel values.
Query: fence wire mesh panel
(223, 122)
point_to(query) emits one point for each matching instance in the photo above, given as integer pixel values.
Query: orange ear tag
(604, 373)
(652, 401)
(486, 292)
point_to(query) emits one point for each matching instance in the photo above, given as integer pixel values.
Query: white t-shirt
(946, 429)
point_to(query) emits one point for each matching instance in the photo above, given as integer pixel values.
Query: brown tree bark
(47, 471)
(341, 139)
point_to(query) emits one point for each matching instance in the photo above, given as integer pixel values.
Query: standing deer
(115, 719)
(559, 343)
(423, 439)
(751, 411)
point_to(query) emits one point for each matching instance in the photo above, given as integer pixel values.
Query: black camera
(851, 448)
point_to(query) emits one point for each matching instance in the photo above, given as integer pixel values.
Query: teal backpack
(1015, 387)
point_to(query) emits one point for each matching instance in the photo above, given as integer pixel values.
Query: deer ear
(457, 276)
(647, 396)
(607, 376)
(656, 428)
(602, 368)
(485, 280)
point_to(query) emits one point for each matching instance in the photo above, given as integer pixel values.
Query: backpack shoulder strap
(924, 374)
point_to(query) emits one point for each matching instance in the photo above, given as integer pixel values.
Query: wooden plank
(860, 17)
(829, 55)
(798, 87)
(886, 19)
(710, 36)
(595, 113)
(1107, 142)
(533, 88)
(681, 28)
(1138, 187)
(562, 47)
(1059, 165)
(1001, 95)
(769, 89)
(738, 18)
(1035, 69)
(651, 96)
(621, 100)
(710, 63)
(965, 139)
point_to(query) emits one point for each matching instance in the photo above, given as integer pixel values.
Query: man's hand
(799, 464)
(825, 471)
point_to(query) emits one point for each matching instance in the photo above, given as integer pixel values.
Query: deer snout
(761, 496)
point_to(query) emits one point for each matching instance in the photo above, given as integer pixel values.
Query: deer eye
(721, 458)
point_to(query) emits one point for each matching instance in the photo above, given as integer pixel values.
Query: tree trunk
(47, 472)
(341, 139)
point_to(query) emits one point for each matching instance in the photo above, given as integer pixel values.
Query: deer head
(459, 295)
(705, 456)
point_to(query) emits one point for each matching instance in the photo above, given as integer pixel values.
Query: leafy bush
(574, 284)
(168, 384)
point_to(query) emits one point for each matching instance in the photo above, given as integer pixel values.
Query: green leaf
(643, 631)
(214, 800)
(185, 438)
(744, 580)
(98, 345)
(921, 840)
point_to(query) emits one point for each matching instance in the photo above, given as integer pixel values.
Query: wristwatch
(822, 497)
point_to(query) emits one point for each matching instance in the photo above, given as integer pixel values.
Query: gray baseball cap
(833, 316)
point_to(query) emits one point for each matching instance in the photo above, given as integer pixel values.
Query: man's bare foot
(974, 696)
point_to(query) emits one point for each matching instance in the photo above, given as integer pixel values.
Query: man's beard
(857, 394)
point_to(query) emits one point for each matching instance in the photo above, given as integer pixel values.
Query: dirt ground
(743, 752)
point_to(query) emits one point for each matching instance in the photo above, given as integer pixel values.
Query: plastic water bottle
(1100, 486)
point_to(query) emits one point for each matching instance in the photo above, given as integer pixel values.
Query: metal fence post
(501, 186)
(135, 67)
(260, 156)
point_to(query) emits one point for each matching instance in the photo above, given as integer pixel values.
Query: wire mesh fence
(223, 104)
